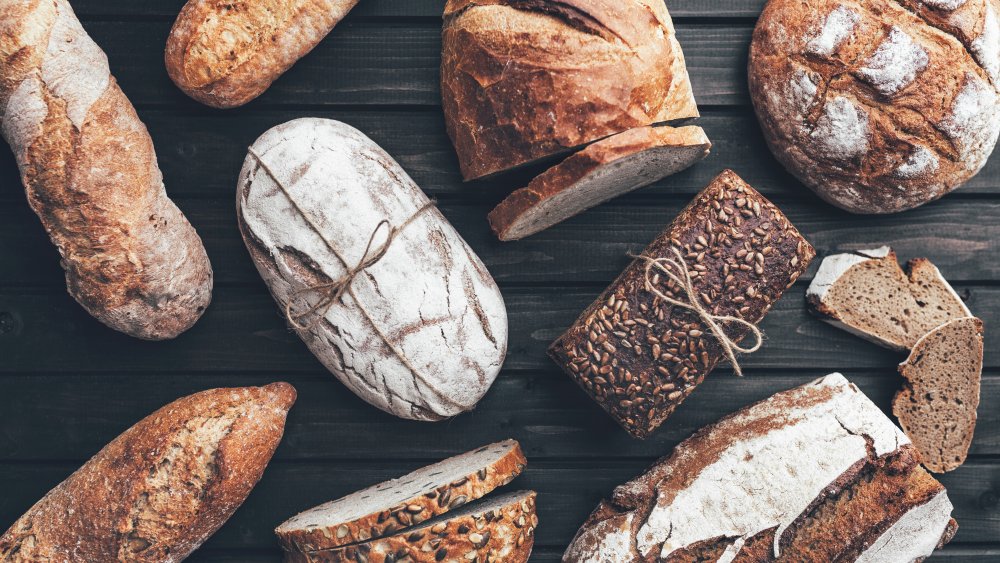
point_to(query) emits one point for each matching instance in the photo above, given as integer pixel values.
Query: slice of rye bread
(498, 529)
(937, 406)
(602, 171)
(867, 294)
(386, 508)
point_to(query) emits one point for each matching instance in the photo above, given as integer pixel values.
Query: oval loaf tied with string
(368, 272)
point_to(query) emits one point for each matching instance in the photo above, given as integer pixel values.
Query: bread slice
(937, 407)
(384, 509)
(602, 171)
(867, 294)
(500, 529)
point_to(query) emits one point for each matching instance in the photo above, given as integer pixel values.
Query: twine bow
(676, 269)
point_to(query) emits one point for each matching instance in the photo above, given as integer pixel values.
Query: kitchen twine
(677, 270)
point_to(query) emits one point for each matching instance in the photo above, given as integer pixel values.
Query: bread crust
(163, 487)
(522, 80)
(225, 54)
(131, 258)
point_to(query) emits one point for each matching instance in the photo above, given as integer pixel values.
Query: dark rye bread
(639, 358)
(498, 530)
(163, 487)
(389, 507)
(816, 473)
(937, 406)
(602, 171)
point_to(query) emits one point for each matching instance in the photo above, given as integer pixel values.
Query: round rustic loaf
(878, 106)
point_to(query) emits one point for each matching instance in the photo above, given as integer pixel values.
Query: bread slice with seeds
(937, 407)
(501, 529)
(384, 509)
(602, 171)
(867, 294)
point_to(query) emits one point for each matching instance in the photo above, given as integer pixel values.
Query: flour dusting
(986, 48)
(922, 161)
(839, 25)
(895, 64)
(974, 123)
(944, 4)
(802, 91)
(842, 131)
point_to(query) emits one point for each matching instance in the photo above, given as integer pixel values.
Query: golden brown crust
(161, 488)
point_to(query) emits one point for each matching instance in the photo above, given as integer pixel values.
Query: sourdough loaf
(225, 54)
(817, 473)
(500, 529)
(88, 165)
(604, 170)
(937, 406)
(878, 106)
(159, 490)
(640, 357)
(387, 508)
(522, 81)
(420, 328)
(867, 294)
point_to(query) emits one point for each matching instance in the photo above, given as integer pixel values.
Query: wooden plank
(568, 492)
(545, 411)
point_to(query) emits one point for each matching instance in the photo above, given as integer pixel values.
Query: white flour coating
(609, 541)
(23, 116)
(833, 267)
(944, 4)
(986, 48)
(802, 91)
(838, 26)
(922, 161)
(841, 132)
(75, 68)
(895, 64)
(974, 122)
(914, 536)
(439, 310)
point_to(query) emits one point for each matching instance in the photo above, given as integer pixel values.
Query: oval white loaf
(422, 332)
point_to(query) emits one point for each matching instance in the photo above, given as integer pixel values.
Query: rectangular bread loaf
(640, 357)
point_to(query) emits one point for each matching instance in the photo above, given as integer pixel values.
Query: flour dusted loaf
(878, 106)
(867, 294)
(522, 81)
(421, 329)
(131, 258)
(640, 357)
(163, 487)
(604, 170)
(390, 507)
(225, 54)
(816, 473)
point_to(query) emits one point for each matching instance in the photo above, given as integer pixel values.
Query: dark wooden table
(68, 385)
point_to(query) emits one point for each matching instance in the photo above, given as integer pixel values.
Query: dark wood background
(68, 385)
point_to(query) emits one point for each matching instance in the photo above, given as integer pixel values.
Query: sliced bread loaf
(602, 171)
(501, 529)
(868, 294)
(937, 407)
(384, 509)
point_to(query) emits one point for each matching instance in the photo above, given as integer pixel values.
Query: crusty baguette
(88, 164)
(224, 54)
(159, 490)
(604, 170)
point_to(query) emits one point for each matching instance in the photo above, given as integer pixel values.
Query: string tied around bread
(676, 269)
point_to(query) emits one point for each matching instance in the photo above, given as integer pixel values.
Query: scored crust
(422, 495)
(604, 170)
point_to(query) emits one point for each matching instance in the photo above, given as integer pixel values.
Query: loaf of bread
(640, 356)
(878, 106)
(163, 487)
(368, 272)
(867, 294)
(817, 473)
(521, 81)
(89, 168)
(225, 54)
(602, 171)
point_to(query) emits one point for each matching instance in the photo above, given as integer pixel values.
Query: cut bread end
(602, 171)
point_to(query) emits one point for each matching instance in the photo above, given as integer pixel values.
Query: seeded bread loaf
(387, 508)
(604, 170)
(225, 54)
(937, 406)
(867, 294)
(817, 473)
(879, 106)
(159, 490)
(521, 81)
(500, 530)
(131, 258)
(638, 356)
